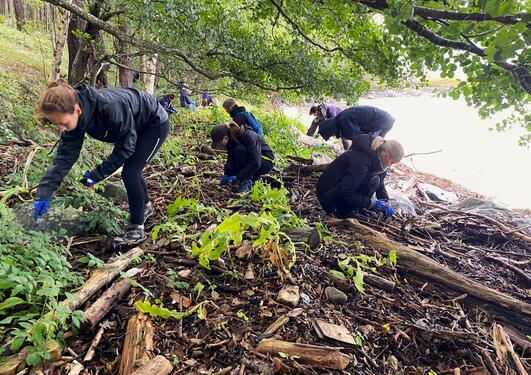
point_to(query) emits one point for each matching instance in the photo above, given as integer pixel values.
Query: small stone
(184, 274)
(249, 274)
(305, 298)
(289, 295)
(335, 295)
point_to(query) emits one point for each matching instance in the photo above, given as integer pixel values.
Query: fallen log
(418, 264)
(156, 366)
(307, 168)
(101, 277)
(308, 236)
(95, 313)
(505, 351)
(138, 342)
(313, 355)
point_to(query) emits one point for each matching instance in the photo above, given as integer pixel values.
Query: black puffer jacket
(115, 115)
(353, 121)
(256, 148)
(339, 183)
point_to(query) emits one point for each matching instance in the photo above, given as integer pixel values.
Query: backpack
(253, 123)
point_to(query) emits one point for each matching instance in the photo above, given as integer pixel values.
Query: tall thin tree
(19, 14)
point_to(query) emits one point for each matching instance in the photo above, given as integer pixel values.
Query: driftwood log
(156, 366)
(314, 355)
(308, 236)
(102, 305)
(306, 168)
(102, 277)
(409, 260)
(505, 351)
(137, 345)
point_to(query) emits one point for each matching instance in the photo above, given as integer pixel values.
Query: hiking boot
(148, 211)
(134, 234)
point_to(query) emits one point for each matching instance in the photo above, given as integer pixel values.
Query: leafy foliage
(158, 310)
(34, 275)
(353, 266)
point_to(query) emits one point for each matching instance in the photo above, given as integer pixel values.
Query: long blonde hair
(393, 148)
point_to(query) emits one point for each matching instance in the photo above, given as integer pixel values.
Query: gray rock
(437, 194)
(115, 191)
(495, 211)
(289, 295)
(335, 295)
(400, 201)
(72, 221)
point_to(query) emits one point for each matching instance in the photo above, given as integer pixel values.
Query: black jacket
(338, 185)
(238, 116)
(115, 115)
(256, 148)
(353, 121)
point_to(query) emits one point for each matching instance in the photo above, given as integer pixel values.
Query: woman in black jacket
(357, 120)
(132, 120)
(350, 181)
(248, 155)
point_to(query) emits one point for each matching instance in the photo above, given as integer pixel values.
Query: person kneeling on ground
(167, 103)
(132, 120)
(321, 112)
(350, 181)
(248, 155)
(357, 120)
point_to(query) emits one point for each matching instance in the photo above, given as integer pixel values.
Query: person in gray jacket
(130, 119)
(357, 120)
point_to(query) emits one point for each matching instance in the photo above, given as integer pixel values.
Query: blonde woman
(350, 181)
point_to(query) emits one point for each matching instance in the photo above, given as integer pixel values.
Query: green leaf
(10, 302)
(358, 281)
(392, 257)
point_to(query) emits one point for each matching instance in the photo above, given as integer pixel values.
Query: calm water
(484, 161)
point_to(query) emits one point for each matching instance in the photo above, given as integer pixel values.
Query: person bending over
(351, 180)
(167, 103)
(321, 112)
(132, 120)
(353, 121)
(248, 155)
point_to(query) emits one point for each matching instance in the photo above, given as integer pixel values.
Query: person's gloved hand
(87, 180)
(41, 207)
(227, 180)
(383, 207)
(244, 186)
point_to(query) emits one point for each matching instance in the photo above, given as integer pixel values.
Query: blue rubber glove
(87, 180)
(383, 207)
(227, 180)
(244, 186)
(41, 207)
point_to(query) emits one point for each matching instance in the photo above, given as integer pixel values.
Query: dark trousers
(240, 158)
(147, 145)
(368, 188)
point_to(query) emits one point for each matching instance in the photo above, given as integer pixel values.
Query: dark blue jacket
(115, 115)
(165, 102)
(353, 121)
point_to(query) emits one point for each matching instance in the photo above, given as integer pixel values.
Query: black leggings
(147, 145)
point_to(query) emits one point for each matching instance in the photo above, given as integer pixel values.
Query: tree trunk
(3, 8)
(19, 14)
(125, 75)
(150, 66)
(82, 62)
(75, 26)
(506, 307)
(60, 45)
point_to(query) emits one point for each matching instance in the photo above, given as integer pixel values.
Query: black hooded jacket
(256, 148)
(115, 115)
(338, 185)
(238, 116)
(353, 121)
